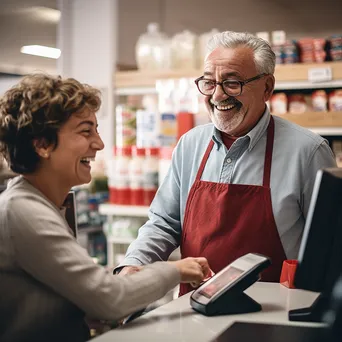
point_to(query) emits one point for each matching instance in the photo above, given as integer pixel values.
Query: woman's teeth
(87, 160)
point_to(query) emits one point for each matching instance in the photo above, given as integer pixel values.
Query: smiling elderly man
(242, 183)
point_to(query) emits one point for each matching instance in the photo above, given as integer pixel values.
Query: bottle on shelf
(166, 107)
(118, 176)
(202, 43)
(136, 176)
(186, 105)
(147, 122)
(152, 49)
(125, 125)
(184, 46)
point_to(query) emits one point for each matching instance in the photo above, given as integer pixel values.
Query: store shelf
(300, 71)
(120, 240)
(123, 210)
(307, 85)
(289, 76)
(333, 131)
(135, 91)
(138, 79)
(89, 230)
(317, 120)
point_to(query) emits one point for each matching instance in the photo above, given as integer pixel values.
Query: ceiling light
(40, 13)
(42, 51)
(46, 14)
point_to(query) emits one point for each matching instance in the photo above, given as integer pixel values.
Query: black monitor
(320, 253)
(70, 211)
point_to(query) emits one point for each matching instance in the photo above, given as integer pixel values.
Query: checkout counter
(177, 321)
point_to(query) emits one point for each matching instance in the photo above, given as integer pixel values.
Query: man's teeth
(228, 107)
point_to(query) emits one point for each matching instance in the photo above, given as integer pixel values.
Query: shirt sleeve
(161, 234)
(49, 253)
(321, 158)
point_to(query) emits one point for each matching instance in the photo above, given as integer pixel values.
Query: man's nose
(219, 94)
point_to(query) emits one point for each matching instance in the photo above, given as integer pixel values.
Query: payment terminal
(223, 293)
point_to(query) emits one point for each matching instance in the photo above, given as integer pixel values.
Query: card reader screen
(221, 281)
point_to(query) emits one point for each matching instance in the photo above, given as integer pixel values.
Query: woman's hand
(192, 270)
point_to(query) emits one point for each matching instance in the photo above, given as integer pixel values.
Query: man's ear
(269, 87)
(42, 148)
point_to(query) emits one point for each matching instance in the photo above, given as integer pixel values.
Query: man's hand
(130, 270)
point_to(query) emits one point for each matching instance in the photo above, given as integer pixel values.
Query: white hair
(264, 57)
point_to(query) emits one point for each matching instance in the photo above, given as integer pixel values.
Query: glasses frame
(242, 83)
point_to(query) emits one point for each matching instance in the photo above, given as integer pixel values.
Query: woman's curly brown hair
(36, 108)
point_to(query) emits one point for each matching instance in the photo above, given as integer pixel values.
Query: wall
(299, 18)
(7, 82)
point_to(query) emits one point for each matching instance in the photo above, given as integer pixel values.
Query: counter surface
(177, 321)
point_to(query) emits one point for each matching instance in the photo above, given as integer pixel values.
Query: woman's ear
(42, 148)
(269, 87)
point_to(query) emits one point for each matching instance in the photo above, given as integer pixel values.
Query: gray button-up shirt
(297, 156)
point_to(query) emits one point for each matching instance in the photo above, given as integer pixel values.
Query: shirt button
(228, 161)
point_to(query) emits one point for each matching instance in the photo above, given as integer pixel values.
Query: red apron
(225, 221)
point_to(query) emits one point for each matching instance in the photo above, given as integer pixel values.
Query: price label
(319, 74)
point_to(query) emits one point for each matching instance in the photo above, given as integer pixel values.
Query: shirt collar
(253, 135)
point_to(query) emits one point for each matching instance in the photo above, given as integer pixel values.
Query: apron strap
(204, 160)
(268, 153)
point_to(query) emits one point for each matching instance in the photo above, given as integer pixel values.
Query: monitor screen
(219, 282)
(320, 253)
(320, 256)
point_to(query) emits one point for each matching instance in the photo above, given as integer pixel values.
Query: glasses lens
(232, 88)
(206, 87)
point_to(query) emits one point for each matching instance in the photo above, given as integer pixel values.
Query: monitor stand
(236, 303)
(313, 313)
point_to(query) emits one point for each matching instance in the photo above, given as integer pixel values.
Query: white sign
(319, 74)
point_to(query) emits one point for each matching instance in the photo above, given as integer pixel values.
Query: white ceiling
(21, 23)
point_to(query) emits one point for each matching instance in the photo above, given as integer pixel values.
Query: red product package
(297, 104)
(319, 43)
(319, 101)
(288, 273)
(335, 101)
(279, 103)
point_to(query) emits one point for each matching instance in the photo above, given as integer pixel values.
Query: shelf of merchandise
(289, 76)
(315, 120)
(123, 210)
(118, 244)
(124, 240)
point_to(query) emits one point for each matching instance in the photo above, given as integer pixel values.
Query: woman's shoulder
(21, 196)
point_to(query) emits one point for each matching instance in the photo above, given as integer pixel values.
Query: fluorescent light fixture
(48, 14)
(42, 51)
(41, 13)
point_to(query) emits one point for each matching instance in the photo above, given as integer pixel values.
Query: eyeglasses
(229, 87)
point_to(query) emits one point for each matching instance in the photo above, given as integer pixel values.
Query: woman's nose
(98, 143)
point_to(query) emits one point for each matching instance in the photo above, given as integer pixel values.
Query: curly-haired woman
(48, 283)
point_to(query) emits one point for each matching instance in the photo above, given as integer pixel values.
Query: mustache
(228, 102)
